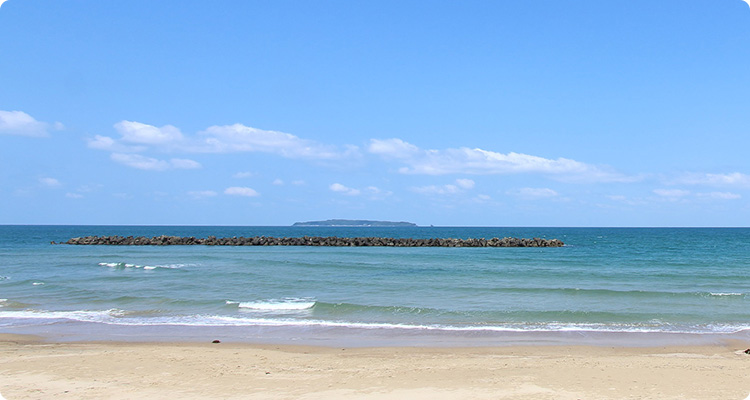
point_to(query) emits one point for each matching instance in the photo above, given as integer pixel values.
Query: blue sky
(476, 113)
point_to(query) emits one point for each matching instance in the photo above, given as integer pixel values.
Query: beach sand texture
(32, 369)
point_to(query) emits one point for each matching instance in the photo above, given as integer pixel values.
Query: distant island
(353, 222)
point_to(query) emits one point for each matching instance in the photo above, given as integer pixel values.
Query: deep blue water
(619, 280)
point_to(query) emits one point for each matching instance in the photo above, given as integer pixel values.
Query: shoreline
(33, 368)
(333, 337)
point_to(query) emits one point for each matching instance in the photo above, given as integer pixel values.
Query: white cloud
(278, 182)
(393, 148)
(73, 195)
(181, 163)
(101, 142)
(140, 162)
(202, 194)
(136, 132)
(434, 189)
(628, 201)
(478, 161)
(339, 188)
(730, 179)
(241, 191)
(721, 195)
(671, 193)
(465, 183)
(460, 186)
(88, 188)
(153, 164)
(242, 175)
(22, 124)
(241, 138)
(533, 193)
(483, 197)
(109, 144)
(137, 137)
(376, 193)
(298, 182)
(50, 182)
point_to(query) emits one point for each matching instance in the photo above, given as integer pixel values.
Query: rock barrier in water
(310, 241)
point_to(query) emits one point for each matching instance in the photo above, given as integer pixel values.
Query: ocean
(606, 286)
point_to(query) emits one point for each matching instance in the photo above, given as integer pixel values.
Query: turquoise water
(605, 280)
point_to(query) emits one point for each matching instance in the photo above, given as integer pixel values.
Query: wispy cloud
(22, 124)
(721, 195)
(107, 143)
(436, 189)
(533, 193)
(465, 183)
(460, 186)
(202, 194)
(153, 164)
(393, 148)
(50, 182)
(679, 194)
(476, 161)
(139, 133)
(671, 193)
(137, 137)
(243, 175)
(339, 188)
(241, 191)
(242, 138)
(709, 179)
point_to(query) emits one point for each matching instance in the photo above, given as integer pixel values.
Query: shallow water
(613, 281)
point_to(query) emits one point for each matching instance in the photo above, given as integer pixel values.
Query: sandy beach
(34, 369)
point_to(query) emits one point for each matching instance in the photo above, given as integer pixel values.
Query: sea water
(605, 285)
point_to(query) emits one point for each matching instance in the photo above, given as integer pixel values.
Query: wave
(121, 265)
(146, 318)
(6, 303)
(273, 305)
(598, 292)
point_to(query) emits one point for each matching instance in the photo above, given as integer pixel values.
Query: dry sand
(32, 369)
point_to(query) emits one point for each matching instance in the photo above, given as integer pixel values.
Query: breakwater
(310, 241)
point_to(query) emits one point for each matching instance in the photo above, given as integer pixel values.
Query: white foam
(111, 265)
(278, 305)
(121, 317)
(83, 316)
(38, 283)
(726, 294)
(145, 267)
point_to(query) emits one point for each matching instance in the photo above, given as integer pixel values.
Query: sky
(445, 113)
